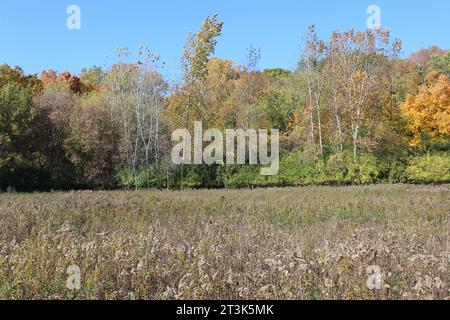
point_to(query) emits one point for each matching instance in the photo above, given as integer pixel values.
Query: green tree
(187, 103)
(17, 123)
(276, 73)
(17, 76)
(16, 120)
(92, 79)
(440, 63)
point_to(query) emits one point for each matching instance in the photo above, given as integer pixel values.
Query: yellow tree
(220, 85)
(187, 103)
(357, 64)
(428, 112)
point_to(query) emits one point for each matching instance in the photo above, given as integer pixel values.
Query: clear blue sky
(33, 34)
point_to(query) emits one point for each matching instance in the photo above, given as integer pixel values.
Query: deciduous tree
(428, 112)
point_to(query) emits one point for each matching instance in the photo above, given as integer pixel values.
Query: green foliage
(89, 132)
(146, 177)
(63, 176)
(201, 176)
(16, 119)
(296, 169)
(125, 178)
(23, 176)
(17, 123)
(92, 78)
(364, 170)
(429, 168)
(16, 75)
(193, 179)
(392, 166)
(276, 105)
(342, 169)
(440, 63)
(199, 48)
(276, 73)
(244, 178)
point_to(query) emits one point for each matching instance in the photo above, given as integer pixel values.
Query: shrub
(125, 177)
(392, 167)
(364, 170)
(244, 178)
(201, 176)
(296, 170)
(430, 168)
(146, 177)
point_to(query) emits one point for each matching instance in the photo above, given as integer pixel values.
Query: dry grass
(303, 243)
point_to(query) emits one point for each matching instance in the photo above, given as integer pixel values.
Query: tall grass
(299, 243)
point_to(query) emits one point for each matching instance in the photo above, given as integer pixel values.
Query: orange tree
(428, 112)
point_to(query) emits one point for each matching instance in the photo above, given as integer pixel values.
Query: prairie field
(372, 242)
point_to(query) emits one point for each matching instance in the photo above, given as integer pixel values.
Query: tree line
(351, 112)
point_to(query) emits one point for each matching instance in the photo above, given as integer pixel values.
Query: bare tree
(55, 105)
(137, 102)
(248, 87)
(313, 56)
(357, 64)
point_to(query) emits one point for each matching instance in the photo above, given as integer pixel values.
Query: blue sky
(34, 35)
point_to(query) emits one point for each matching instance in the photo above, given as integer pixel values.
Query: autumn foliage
(352, 111)
(50, 77)
(428, 112)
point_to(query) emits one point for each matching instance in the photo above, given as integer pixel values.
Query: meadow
(371, 242)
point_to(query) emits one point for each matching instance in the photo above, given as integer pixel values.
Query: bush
(192, 180)
(296, 169)
(392, 168)
(201, 176)
(25, 179)
(146, 177)
(342, 169)
(364, 170)
(244, 178)
(430, 168)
